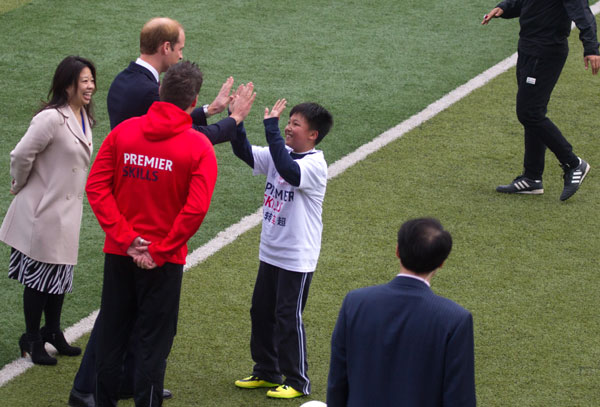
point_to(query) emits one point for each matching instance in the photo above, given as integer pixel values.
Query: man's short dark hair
(181, 84)
(423, 245)
(317, 116)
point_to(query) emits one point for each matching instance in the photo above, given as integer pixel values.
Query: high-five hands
(223, 98)
(241, 103)
(278, 107)
(139, 252)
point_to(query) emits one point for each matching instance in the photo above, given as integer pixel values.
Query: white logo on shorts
(530, 80)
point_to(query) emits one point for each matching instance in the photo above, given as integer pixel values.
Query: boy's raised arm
(241, 146)
(286, 166)
(240, 106)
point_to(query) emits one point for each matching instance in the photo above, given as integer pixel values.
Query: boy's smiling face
(298, 134)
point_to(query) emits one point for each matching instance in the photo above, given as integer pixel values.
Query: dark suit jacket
(399, 344)
(133, 91)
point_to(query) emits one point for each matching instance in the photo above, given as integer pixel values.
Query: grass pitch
(525, 266)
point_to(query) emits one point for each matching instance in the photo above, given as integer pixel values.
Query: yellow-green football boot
(284, 392)
(254, 382)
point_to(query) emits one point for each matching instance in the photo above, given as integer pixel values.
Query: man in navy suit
(399, 344)
(131, 94)
(134, 89)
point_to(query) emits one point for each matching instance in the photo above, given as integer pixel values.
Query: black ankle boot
(57, 339)
(34, 346)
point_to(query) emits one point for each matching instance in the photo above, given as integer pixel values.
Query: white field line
(228, 235)
(232, 232)
(15, 368)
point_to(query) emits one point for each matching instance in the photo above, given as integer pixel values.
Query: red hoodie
(153, 177)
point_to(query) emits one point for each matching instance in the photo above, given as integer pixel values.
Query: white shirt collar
(415, 277)
(149, 67)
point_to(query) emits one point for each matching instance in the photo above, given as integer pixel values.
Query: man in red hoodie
(150, 188)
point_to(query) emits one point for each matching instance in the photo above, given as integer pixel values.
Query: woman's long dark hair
(67, 75)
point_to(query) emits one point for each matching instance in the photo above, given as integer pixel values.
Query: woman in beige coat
(49, 169)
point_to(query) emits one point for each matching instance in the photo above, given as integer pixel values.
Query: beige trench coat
(49, 167)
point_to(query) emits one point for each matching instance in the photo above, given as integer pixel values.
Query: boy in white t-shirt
(289, 244)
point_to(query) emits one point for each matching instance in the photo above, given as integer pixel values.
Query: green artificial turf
(373, 65)
(525, 266)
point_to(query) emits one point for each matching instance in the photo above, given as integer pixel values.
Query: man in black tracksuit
(543, 48)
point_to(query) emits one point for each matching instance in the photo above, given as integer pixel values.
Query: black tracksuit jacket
(546, 24)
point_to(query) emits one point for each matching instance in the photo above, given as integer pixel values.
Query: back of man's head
(181, 84)
(423, 245)
(156, 32)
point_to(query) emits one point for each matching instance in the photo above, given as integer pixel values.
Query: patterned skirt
(44, 277)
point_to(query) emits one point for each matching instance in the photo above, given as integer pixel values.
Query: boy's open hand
(277, 109)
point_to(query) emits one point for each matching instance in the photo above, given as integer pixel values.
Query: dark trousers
(536, 78)
(85, 379)
(278, 339)
(148, 299)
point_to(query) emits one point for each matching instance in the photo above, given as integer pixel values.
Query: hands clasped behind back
(139, 252)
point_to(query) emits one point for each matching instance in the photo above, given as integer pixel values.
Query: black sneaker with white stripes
(573, 178)
(522, 185)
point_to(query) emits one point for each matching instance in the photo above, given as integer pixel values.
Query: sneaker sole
(533, 192)
(280, 396)
(256, 386)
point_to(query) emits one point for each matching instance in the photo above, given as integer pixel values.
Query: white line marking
(15, 368)
(12, 370)
(232, 232)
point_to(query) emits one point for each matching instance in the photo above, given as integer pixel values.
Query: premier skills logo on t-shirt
(274, 200)
(144, 167)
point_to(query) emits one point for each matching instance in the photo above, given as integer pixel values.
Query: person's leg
(85, 379)
(114, 329)
(31, 341)
(263, 347)
(292, 293)
(128, 371)
(534, 157)
(34, 303)
(51, 331)
(157, 293)
(53, 311)
(536, 80)
(535, 150)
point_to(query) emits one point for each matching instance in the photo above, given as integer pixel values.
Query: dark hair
(423, 245)
(181, 84)
(317, 116)
(156, 32)
(67, 75)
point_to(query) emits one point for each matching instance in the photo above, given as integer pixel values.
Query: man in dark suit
(399, 344)
(131, 94)
(134, 89)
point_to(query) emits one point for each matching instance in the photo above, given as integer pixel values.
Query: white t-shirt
(292, 225)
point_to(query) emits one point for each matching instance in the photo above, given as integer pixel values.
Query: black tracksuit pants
(278, 339)
(536, 78)
(148, 299)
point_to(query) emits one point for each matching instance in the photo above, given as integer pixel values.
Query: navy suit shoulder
(401, 336)
(411, 291)
(131, 94)
(133, 91)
